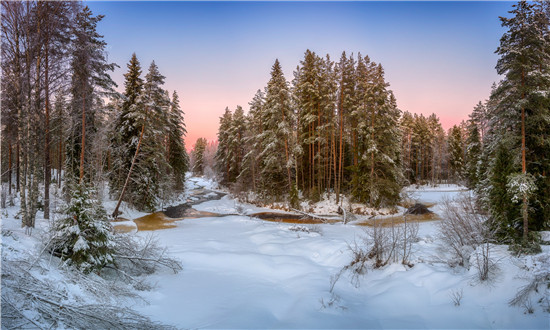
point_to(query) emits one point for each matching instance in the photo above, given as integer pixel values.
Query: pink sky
(438, 56)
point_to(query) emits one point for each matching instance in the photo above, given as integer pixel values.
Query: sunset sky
(438, 56)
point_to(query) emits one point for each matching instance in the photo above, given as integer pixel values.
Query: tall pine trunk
(47, 164)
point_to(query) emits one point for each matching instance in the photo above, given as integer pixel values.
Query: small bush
(531, 246)
(463, 228)
(392, 243)
(456, 296)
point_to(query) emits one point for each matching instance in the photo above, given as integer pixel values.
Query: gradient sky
(438, 56)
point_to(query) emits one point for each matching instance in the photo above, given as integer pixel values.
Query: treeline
(508, 143)
(336, 128)
(63, 121)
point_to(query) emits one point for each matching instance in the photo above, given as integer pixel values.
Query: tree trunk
(524, 164)
(9, 169)
(47, 164)
(115, 212)
(339, 182)
(83, 143)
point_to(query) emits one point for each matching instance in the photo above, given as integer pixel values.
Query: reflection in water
(155, 221)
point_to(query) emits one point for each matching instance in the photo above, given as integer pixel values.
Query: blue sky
(438, 56)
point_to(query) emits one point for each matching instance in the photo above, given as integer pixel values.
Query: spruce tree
(456, 153)
(84, 236)
(126, 130)
(198, 156)
(177, 155)
(236, 143)
(473, 154)
(524, 102)
(223, 161)
(248, 176)
(277, 127)
(377, 175)
(345, 73)
(90, 80)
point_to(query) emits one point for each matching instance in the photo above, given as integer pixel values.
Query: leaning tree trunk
(115, 212)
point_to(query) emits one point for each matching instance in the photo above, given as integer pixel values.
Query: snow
(242, 272)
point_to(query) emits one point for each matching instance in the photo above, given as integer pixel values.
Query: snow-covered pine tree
(248, 176)
(437, 150)
(307, 95)
(524, 104)
(138, 133)
(345, 100)
(473, 154)
(153, 117)
(125, 129)
(236, 143)
(406, 123)
(198, 156)
(277, 130)
(505, 214)
(177, 155)
(83, 237)
(223, 162)
(456, 153)
(90, 81)
(377, 176)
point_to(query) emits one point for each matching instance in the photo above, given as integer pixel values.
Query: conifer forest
(303, 213)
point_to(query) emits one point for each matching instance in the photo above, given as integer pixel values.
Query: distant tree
(473, 154)
(198, 156)
(456, 153)
(223, 154)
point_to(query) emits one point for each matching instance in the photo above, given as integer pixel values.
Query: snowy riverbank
(243, 272)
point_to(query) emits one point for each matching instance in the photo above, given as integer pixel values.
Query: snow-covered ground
(242, 272)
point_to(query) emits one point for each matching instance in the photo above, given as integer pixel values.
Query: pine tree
(236, 143)
(506, 215)
(248, 176)
(90, 80)
(277, 128)
(126, 130)
(140, 129)
(473, 154)
(177, 155)
(345, 72)
(198, 156)
(223, 161)
(523, 101)
(84, 236)
(456, 153)
(153, 117)
(377, 176)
